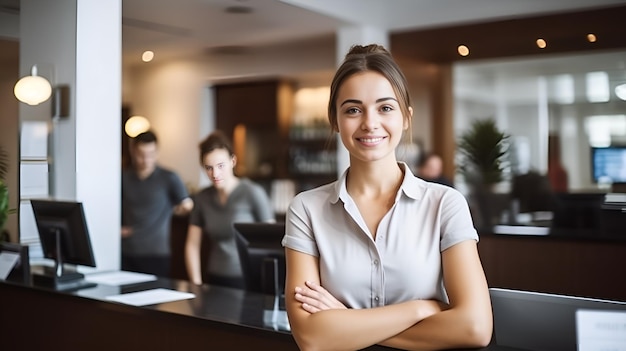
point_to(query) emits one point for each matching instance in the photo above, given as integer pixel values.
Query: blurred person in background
(150, 196)
(430, 169)
(228, 200)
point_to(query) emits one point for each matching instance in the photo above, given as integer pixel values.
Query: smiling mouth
(371, 140)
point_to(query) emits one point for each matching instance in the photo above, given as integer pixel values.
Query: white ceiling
(176, 28)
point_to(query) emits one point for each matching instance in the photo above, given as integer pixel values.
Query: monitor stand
(68, 280)
(60, 277)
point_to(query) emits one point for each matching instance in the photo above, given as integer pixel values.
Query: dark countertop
(212, 303)
(216, 317)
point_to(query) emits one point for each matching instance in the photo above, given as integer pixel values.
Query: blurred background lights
(591, 38)
(136, 125)
(620, 91)
(541, 43)
(463, 50)
(147, 56)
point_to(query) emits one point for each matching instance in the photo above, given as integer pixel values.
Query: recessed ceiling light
(463, 50)
(591, 38)
(541, 43)
(147, 56)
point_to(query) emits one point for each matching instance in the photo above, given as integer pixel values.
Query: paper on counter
(598, 330)
(150, 297)
(118, 278)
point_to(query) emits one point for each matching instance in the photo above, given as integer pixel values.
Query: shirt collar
(412, 186)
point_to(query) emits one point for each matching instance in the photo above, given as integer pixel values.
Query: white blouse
(403, 263)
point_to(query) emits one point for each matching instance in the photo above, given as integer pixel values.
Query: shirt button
(376, 262)
(376, 298)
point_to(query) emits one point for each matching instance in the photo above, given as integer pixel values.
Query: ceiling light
(32, 89)
(541, 43)
(620, 91)
(591, 38)
(463, 50)
(147, 56)
(136, 125)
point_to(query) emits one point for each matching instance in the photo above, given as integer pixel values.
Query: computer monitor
(608, 164)
(65, 239)
(262, 256)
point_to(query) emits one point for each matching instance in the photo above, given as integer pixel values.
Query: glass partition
(557, 109)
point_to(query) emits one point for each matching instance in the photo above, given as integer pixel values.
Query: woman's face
(369, 118)
(218, 165)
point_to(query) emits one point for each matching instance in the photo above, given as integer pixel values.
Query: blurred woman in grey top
(381, 256)
(228, 200)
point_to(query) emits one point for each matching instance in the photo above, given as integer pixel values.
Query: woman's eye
(352, 110)
(387, 108)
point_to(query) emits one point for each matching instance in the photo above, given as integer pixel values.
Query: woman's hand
(314, 298)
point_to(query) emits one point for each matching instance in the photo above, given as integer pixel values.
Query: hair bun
(367, 49)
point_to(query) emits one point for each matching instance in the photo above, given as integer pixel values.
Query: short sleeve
(298, 231)
(456, 220)
(263, 209)
(178, 192)
(195, 216)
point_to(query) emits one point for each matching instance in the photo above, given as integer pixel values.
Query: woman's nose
(369, 121)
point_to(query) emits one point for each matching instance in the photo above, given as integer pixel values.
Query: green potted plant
(483, 150)
(4, 193)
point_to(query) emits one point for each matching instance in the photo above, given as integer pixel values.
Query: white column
(346, 38)
(98, 123)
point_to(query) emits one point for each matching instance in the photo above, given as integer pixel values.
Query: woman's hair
(370, 58)
(214, 141)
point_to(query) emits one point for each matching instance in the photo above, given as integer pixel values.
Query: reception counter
(216, 318)
(575, 262)
(34, 318)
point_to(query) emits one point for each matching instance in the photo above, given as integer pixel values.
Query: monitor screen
(262, 256)
(67, 220)
(609, 164)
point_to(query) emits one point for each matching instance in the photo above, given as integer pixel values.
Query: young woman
(380, 256)
(228, 200)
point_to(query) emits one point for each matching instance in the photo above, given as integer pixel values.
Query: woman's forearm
(335, 329)
(192, 262)
(469, 327)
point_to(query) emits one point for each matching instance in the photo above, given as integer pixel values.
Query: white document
(7, 262)
(34, 179)
(150, 297)
(600, 330)
(34, 140)
(118, 278)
